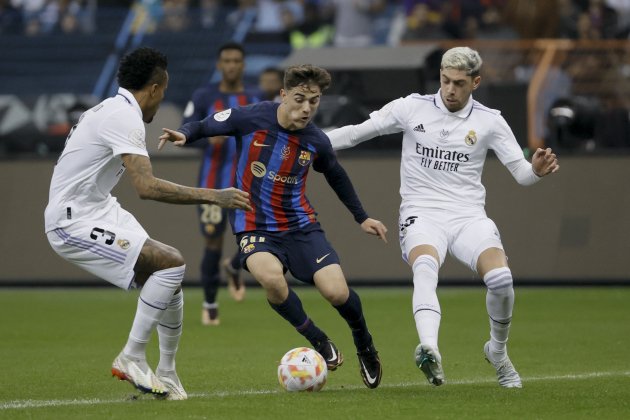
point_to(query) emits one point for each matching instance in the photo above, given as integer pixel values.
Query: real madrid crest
(471, 138)
(123, 243)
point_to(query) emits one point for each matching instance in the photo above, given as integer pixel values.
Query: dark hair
(231, 46)
(306, 74)
(141, 67)
(274, 70)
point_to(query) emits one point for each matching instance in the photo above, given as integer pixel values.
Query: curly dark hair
(141, 67)
(306, 74)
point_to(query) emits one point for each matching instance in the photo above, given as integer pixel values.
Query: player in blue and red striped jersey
(281, 231)
(217, 171)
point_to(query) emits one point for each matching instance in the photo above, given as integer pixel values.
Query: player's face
(156, 95)
(456, 87)
(231, 65)
(299, 105)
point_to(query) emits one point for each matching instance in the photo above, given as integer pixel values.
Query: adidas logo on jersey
(419, 128)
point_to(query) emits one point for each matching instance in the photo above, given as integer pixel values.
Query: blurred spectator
(148, 14)
(38, 16)
(175, 15)
(313, 32)
(603, 19)
(270, 81)
(424, 22)
(568, 16)
(353, 21)
(10, 18)
(208, 10)
(275, 19)
(77, 16)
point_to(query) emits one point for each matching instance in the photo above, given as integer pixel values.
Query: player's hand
(545, 162)
(177, 138)
(374, 227)
(232, 198)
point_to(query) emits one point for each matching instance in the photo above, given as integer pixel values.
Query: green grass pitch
(571, 347)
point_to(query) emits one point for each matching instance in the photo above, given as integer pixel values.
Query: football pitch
(570, 345)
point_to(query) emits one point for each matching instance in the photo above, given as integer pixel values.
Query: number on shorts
(211, 213)
(98, 232)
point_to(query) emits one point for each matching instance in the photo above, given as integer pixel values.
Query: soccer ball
(302, 369)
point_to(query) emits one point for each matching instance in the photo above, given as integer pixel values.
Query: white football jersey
(443, 152)
(90, 165)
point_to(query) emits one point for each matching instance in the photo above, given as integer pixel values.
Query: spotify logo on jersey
(258, 169)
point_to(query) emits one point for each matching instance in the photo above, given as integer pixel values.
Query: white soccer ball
(302, 369)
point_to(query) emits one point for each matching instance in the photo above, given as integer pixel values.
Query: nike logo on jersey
(419, 128)
(320, 259)
(260, 144)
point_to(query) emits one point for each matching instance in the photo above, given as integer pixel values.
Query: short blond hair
(462, 58)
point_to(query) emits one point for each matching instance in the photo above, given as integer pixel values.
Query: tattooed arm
(149, 187)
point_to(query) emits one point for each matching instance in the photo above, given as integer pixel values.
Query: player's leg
(210, 280)
(424, 246)
(232, 268)
(159, 270)
(332, 285)
(169, 332)
(479, 245)
(268, 270)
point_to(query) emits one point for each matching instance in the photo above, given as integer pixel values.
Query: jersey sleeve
(124, 134)
(392, 117)
(504, 143)
(325, 157)
(223, 123)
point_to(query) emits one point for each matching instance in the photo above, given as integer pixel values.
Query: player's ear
(283, 94)
(476, 82)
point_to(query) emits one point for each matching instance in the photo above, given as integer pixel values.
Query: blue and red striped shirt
(217, 166)
(273, 164)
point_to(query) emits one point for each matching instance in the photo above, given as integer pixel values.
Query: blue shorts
(302, 252)
(212, 220)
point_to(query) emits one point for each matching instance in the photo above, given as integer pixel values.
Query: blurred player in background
(217, 171)
(270, 83)
(86, 226)
(445, 140)
(282, 232)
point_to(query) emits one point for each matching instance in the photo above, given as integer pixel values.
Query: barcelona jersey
(217, 167)
(272, 165)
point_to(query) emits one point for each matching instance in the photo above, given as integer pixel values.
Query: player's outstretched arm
(149, 187)
(375, 227)
(544, 162)
(175, 137)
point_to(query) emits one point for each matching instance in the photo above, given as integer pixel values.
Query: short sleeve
(124, 133)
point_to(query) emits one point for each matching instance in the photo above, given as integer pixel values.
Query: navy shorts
(302, 252)
(212, 220)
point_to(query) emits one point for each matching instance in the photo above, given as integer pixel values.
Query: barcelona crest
(305, 157)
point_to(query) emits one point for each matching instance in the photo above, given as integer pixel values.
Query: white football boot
(126, 369)
(506, 373)
(429, 361)
(173, 385)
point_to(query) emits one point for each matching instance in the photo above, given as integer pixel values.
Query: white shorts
(107, 248)
(465, 234)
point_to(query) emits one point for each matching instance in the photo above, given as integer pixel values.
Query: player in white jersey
(86, 226)
(445, 140)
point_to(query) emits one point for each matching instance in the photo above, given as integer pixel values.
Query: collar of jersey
(462, 113)
(131, 99)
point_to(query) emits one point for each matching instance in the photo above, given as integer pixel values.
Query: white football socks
(169, 331)
(426, 307)
(154, 298)
(499, 303)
